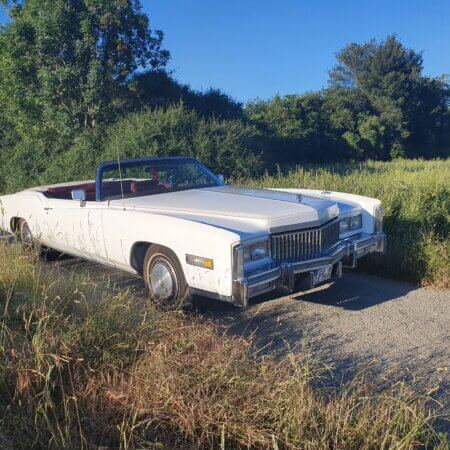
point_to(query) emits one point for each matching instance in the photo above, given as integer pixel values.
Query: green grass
(83, 365)
(416, 198)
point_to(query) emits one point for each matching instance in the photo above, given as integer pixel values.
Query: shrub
(77, 162)
(226, 146)
(231, 147)
(27, 161)
(24, 164)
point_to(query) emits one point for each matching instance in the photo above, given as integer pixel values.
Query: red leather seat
(147, 186)
(65, 192)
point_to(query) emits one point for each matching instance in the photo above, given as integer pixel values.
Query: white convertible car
(175, 223)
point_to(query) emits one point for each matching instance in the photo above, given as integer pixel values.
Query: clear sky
(257, 48)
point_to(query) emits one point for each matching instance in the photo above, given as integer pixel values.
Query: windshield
(151, 177)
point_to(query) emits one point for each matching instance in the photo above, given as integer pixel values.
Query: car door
(76, 227)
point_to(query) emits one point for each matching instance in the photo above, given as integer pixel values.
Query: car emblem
(299, 198)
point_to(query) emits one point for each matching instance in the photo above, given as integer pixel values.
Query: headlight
(356, 222)
(344, 226)
(378, 215)
(350, 223)
(260, 251)
(257, 251)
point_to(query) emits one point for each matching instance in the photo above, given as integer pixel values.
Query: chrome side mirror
(221, 178)
(79, 194)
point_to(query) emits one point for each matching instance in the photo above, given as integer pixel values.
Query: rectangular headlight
(356, 222)
(350, 223)
(254, 252)
(247, 253)
(344, 226)
(260, 251)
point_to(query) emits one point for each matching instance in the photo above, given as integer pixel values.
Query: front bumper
(283, 277)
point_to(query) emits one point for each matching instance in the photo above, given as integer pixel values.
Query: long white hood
(240, 209)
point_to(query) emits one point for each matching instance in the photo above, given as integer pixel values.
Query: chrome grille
(306, 244)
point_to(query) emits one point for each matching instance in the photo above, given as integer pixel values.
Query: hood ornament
(299, 198)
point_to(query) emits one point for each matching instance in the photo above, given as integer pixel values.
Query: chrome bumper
(282, 277)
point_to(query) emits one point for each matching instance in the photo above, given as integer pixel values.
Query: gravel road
(397, 329)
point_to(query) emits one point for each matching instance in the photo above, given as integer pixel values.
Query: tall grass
(416, 199)
(83, 365)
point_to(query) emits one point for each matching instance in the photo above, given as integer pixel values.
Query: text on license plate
(320, 275)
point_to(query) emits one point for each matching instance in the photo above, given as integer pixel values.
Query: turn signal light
(198, 261)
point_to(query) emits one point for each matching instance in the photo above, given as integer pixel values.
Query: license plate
(321, 275)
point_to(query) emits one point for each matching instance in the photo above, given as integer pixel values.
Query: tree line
(84, 80)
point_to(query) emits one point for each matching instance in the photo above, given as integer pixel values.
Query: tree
(156, 89)
(383, 69)
(390, 77)
(65, 65)
(296, 125)
(356, 125)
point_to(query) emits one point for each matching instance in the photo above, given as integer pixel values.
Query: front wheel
(30, 243)
(25, 235)
(164, 278)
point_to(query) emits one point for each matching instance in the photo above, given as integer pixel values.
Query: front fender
(124, 228)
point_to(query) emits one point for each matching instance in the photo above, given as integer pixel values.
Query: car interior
(111, 189)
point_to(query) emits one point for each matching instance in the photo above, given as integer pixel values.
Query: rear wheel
(164, 278)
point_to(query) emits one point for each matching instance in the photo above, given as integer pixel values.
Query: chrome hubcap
(26, 233)
(162, 280)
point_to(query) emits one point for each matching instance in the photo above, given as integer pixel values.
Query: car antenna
(120, 175)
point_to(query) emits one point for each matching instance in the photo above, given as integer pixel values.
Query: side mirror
(79, 194)
(221, 178)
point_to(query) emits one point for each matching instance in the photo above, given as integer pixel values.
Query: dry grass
(83, 366)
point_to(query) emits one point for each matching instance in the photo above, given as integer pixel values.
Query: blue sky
(257, 48)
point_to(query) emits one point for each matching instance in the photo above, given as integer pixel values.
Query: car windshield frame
(146, 162)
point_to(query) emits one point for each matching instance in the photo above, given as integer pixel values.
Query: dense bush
(85, 366)
(231, 147)
(416, 199)
(31, 162)
(297, 129)
(227, 146)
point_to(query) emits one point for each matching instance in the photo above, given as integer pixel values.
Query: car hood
(239, 209)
